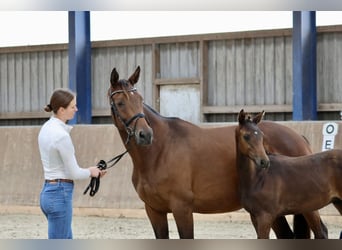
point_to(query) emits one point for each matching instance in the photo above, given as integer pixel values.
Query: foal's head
(127, 108)
(249, 139)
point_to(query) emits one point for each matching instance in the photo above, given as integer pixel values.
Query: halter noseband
(115, 112)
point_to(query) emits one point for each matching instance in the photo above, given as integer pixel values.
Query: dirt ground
(133, 224)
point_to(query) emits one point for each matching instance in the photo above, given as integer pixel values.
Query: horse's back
(283, 140)
(315, 178)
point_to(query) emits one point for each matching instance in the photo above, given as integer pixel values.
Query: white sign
(329, 131)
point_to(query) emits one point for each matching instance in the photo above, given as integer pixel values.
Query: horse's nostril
(142, 135)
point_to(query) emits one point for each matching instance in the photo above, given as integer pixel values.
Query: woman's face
(68, 113)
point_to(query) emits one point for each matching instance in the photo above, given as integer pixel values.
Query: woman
(60, 165)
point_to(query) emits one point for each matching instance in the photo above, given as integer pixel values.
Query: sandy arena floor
(135, 225)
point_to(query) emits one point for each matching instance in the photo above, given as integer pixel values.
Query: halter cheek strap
(116, 113)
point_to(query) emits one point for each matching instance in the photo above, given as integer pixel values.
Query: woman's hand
(96, 172)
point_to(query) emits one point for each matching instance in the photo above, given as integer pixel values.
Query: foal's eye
(247, 137)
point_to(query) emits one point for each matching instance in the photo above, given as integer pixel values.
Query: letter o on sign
(330, 128)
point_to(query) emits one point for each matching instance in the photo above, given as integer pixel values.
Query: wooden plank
(4, 86)
(230, 72)
(249, 72)
(269, 66)
(259, 78)
(329, 107)
(240, 69)
(322, 107)
(219, 87)
(155, 73)
(247, 108)
(178, 81)
(203, 72)
(24, 115)
(33, 82)
(101, 112)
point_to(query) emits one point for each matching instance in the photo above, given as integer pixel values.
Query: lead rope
(94, 184)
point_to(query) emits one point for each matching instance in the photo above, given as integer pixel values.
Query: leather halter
(130, 131)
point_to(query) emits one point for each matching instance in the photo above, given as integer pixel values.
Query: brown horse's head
(249, 139)
(127, 108)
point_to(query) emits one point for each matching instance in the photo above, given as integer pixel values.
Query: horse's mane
(175, 120)
(158, 114)
(151, 109)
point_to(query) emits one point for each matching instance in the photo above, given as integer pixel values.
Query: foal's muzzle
(262, 162)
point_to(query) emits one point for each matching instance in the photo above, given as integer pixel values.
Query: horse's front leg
(262, 224)
(159, 222)
(182, 213)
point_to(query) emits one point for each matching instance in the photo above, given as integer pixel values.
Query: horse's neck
(142, 155)
(249, 177)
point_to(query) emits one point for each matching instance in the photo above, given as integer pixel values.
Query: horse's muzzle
(144, 136)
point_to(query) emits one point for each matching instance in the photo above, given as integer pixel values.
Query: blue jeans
(56, 204)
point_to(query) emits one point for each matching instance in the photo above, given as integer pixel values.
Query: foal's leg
(314, 221)
(159, 222)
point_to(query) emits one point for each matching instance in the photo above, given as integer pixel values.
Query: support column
(304, 66)
(80, 64)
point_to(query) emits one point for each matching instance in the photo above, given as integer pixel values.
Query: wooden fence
(251, 69)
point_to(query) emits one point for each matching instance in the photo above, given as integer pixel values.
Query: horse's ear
(133, 79)
(114, 77)
(258, 117)
(242, 116)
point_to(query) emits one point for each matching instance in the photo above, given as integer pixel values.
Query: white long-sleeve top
(57, 152)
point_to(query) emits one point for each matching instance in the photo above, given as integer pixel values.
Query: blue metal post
(80, 64)
(304, 66)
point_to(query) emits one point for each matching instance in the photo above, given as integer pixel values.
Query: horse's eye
(120, 104)
(247, 137)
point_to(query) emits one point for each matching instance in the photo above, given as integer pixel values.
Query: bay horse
(181, 168)
(276, 185)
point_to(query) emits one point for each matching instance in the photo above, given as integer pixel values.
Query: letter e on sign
(329, 131)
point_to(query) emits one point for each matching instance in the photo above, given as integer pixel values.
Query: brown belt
(59, 180)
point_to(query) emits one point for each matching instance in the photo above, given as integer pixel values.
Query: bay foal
(274, 185)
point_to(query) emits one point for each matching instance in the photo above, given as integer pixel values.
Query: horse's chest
(151, 193)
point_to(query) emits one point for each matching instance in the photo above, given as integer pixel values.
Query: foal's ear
(258, 117)
(242, 116)
(114, 77)
(133, 79)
